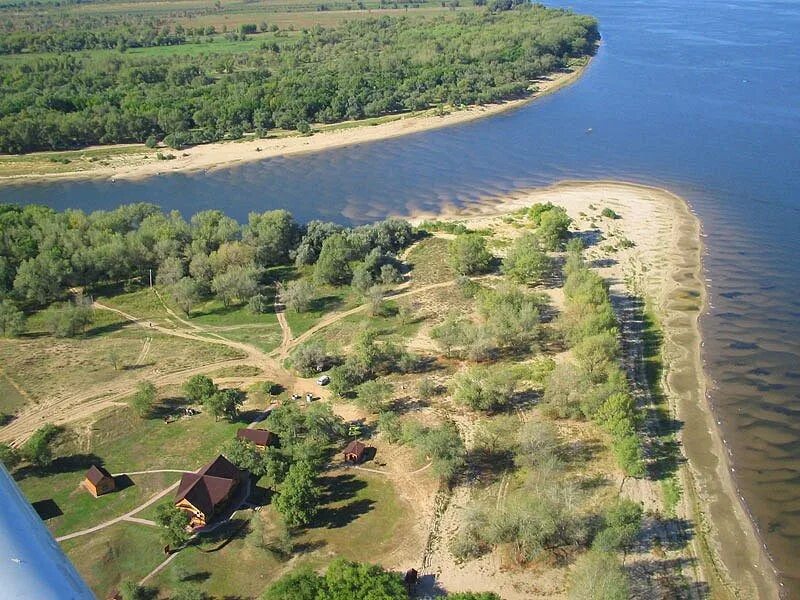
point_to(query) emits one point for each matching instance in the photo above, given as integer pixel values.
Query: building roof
(210, 486)
(220, 467)
(355, 447)
(96, 474)
(260, 437)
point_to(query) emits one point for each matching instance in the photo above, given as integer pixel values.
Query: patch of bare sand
(207, 157)
(663, 263)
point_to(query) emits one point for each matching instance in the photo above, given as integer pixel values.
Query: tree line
(360, 69)
(45, 253)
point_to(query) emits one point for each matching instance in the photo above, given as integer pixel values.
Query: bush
(485, 388)
(259, 304)
(469, 255)
(390, 426)
(526, 262)
(599, 576)
(609, 214)
(311, 358)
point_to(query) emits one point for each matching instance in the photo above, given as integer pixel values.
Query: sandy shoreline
(667, 237)
(219, 155)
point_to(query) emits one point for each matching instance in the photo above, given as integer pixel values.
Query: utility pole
(151, 277)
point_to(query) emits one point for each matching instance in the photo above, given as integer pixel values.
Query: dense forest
(323, 75)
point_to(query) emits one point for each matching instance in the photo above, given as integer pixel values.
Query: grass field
(357, 505)
(46, 367)
(125, 551)
(79, 508)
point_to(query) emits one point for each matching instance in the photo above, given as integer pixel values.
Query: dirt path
(286, 331)
(335, 317)
(144, 352)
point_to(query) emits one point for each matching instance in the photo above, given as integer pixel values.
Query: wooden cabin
(354, 452)
(205, 493)
(260, 437)
(98, 481)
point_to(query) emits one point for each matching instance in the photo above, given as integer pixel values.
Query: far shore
(729, 553)
(141, 162)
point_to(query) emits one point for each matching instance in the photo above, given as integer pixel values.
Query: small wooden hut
(354, 452)
(260, 437)
(98, 481)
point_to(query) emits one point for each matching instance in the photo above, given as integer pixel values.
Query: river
(700, 97)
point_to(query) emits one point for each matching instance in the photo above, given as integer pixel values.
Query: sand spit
(208, 157)
(665, 265)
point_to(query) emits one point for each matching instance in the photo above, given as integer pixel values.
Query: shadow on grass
(325, 304)
(235, 529)
(198, 577)
(62, 464)
(338, 489)
(47, 509)
(104, 329)
(122, 482)
(334, 518)
(168, 407)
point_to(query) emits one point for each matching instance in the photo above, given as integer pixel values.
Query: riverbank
(664, 264)
(135, 161)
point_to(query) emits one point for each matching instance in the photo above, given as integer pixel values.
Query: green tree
(473, 596)
(130, 590)
(362, 280)
(37, 450)
(173, 522)
(298, 295)
(144, 398)
(469, 255)
(12, 320)
(390, 426)
(311, 358)
(199, 387)
(373, 395)
(526, 261)
(444, 446)
(268, 463)
(186, 293)
(170, 271)
(623, 521)
(298, 496)
(345, 579)
(236, 284)
(224, 403)
(67, 320)
(274, 234)
(333, 264)
(484, 388)
(8, 456)
(300, 584)
(40, 278)
(599, 576)
(596, 353)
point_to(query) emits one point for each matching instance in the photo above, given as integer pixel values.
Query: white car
(324, 380)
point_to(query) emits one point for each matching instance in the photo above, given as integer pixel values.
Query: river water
(700, 97)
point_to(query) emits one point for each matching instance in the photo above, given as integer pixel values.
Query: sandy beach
(208, 157)
(665, 266)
